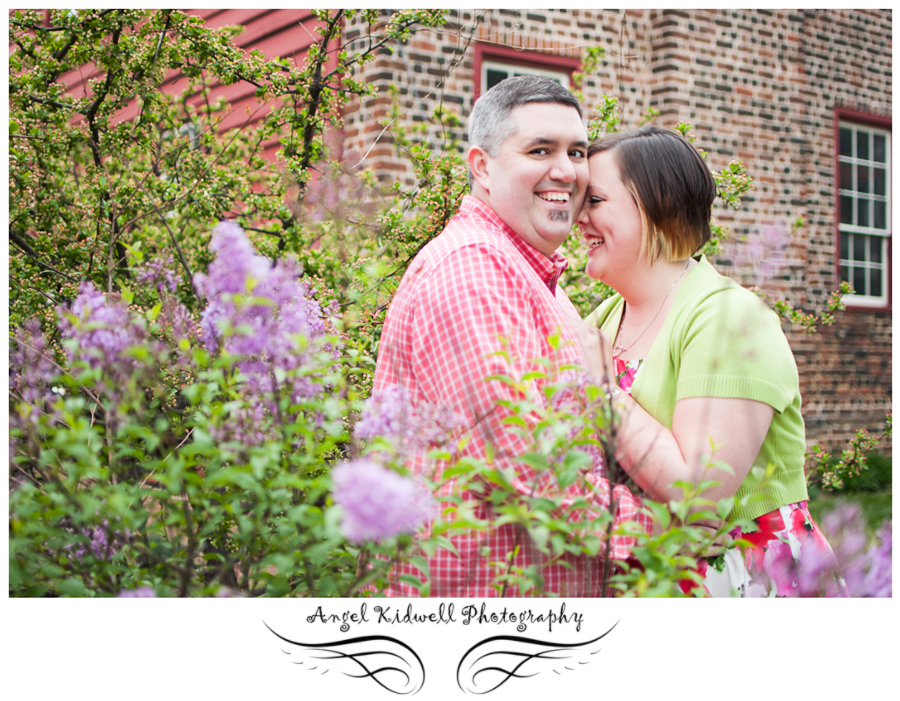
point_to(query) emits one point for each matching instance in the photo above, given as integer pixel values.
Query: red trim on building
(872, 121)
(520, 57)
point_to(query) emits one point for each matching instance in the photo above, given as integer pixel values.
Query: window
(494, 63)
(492, 72)
(864, 211)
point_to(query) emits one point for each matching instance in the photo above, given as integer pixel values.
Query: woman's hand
(596, 347)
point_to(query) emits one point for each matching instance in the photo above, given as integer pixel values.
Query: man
(487, 283)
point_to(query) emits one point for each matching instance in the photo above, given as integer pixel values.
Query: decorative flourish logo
(494, 661)
(388, 662)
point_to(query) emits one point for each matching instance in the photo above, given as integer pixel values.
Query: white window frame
(852, 230)
(514, 68)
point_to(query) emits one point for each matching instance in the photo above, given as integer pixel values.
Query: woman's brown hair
(670, 184)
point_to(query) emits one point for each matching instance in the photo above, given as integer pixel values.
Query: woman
(699, 361)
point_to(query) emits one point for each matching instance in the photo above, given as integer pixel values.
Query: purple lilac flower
(878, 580)
(102, 542)
(158, 273)
(817, 571)
(139, 593)
(279, 309)
(31, 373)
(264, 315)
(103, 331)
(867, 572)
(389, 414)
(245, 425)
(386, 413)
(763, 252)
(178, 318)
(378, 502)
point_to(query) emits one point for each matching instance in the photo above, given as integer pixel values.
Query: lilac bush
(377, 502)
(124, 475)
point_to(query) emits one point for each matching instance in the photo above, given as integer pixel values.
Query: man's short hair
(489, 123)
(671, 185)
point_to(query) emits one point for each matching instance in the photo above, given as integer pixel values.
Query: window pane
(880, 150)
(880, 215)
(846, 210)
(875, 244)
(880, 179)
(862, 212)
(859, 281)
(494, 76)
(862, 178)
(846, 176)
(875, 282)
(845, 246)
(859, 247)
(845, 274)
(846, 142)
(862, 144)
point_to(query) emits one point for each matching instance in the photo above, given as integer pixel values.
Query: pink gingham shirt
(478, 284)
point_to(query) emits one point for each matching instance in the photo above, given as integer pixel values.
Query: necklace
(618, 350)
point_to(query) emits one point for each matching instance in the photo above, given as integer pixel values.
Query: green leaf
(422, 564)
(535, 460)
(576, 459)
(71, 587)
(154, 312)
(540, 535)
(725, 507)
(414, 581)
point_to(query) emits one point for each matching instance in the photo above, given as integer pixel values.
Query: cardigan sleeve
(732, 346)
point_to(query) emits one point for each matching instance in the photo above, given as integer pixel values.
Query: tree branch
(23, 246)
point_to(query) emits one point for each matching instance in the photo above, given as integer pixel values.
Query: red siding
(286, 33)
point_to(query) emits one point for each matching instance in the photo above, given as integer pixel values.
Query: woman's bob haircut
(671, 185)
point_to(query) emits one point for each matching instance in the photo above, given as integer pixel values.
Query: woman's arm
(704, 430)
(655, 457)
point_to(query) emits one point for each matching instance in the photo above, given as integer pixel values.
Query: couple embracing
(688, 358)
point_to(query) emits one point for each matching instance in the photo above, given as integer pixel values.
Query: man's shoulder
(466, 238)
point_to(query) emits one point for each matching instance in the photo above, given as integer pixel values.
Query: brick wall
(847, 370)
(762, 86)
(758, 85)
(438, 67)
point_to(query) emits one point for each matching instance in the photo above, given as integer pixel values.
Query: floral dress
(787, 555)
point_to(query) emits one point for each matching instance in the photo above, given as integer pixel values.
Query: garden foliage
(193, 333)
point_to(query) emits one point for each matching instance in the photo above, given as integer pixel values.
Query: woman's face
(610, 222)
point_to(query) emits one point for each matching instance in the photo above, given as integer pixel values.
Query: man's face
(536, 183)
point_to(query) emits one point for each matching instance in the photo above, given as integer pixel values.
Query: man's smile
(562, 197)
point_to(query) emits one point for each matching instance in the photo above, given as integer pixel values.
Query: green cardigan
(720, 340)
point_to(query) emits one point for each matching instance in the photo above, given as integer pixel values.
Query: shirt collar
(548, 269)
